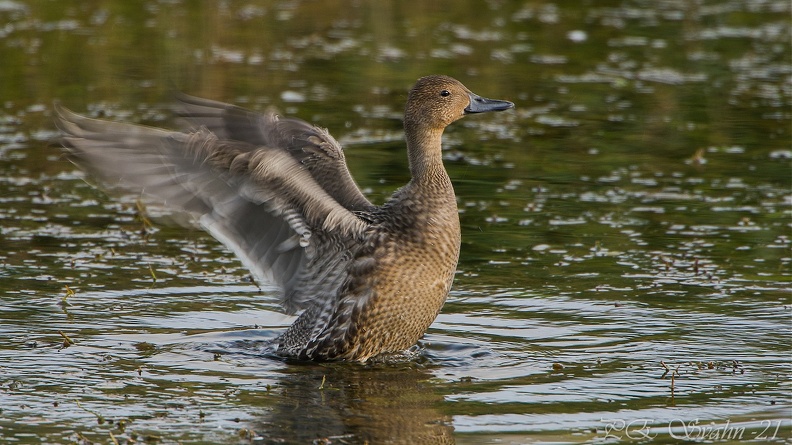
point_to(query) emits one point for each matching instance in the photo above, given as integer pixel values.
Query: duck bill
(480, 104)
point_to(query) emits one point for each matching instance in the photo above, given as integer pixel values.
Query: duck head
(437, 101)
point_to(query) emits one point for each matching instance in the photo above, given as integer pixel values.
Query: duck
(364, 280)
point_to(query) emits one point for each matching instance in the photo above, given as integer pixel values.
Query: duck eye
(445, 93)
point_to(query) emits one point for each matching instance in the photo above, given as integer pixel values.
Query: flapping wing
(260, 202)
(312, 146)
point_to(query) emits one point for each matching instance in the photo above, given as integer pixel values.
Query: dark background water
(626, 256)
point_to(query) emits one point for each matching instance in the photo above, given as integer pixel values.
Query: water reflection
(382, 404)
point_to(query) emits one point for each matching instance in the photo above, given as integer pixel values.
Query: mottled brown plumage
(367, 279)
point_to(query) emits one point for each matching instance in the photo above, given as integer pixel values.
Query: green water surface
(625, 267)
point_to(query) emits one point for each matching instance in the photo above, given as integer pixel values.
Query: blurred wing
(259, 201)
(312, 146)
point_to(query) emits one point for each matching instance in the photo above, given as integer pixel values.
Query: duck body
(398, 278)
(366, 280)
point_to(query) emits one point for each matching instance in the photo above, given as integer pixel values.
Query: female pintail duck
(368, 279)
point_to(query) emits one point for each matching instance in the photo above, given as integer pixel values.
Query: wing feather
(260, 201)
(312, 146)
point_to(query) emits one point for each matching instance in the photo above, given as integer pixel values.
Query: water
(626, 257)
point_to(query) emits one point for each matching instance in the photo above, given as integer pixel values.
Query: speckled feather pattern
(366, 280)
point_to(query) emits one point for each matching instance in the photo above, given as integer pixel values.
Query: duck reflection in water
(385, 404)
(366, 280)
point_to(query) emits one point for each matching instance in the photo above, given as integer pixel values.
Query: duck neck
(424, 149)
